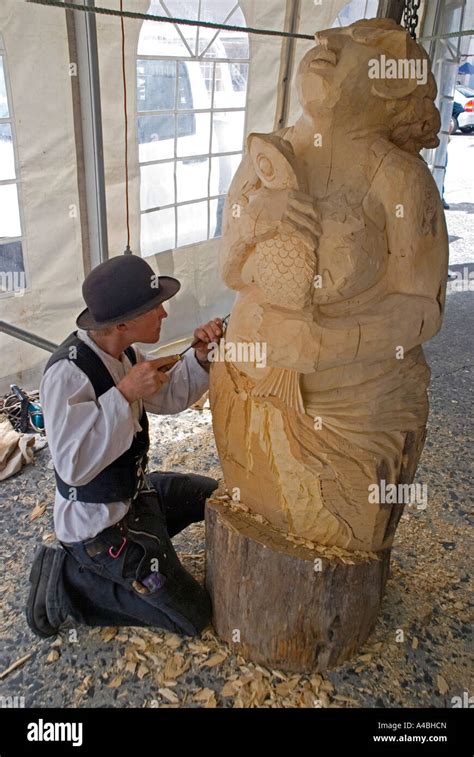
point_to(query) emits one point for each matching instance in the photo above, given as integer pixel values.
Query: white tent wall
(36, 51)
(202, 295)
(38, 60)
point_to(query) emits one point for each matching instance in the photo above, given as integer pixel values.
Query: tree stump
(284, 605)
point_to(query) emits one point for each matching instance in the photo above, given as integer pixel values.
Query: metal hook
(120, 549)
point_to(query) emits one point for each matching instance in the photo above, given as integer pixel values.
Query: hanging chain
(410, 16)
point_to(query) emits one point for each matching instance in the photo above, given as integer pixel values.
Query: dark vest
(119, 480)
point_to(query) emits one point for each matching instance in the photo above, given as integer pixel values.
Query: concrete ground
(459, 194)
(427, 598)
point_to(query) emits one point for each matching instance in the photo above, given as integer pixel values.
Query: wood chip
(169, 695)
(442, 684)
(155, 658)
(137, 641)
(216, 659)
(115, 682)
(142, 671)
(38, 510)
(173, 641)
(230, 689)
(348, 700)
(176, 666)
(327, 686)
(211, 702)
(285, 688)
(53, 656)
(15, 665)
(316, 681)
(198, 648)
(203, 695)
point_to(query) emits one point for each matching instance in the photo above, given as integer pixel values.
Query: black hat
(120, 289)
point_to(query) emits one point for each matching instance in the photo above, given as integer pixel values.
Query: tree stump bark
(284, 605)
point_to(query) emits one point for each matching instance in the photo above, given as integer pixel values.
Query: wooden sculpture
(335, 241)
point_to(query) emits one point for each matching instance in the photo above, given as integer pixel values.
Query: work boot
(36, 614)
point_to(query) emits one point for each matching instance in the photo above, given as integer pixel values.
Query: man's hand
(207, 333)
(145, 378)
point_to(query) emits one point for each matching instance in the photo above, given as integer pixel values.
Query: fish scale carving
(285, 271)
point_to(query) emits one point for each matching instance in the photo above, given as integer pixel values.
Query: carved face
(335, 71)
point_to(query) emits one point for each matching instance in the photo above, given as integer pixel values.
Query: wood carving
(335, 239)
(335, 242)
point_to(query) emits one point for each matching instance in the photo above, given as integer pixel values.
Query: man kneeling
(117, 565)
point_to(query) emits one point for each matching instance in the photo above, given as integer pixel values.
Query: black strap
(88, 361)
(119, 480)
(131, 354)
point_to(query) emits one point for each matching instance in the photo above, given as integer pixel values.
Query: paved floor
(459, 194)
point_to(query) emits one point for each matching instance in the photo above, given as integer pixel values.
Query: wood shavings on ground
(150, 668)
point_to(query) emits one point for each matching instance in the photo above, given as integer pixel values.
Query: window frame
(211, 110)
(338, 24)
(10, 119)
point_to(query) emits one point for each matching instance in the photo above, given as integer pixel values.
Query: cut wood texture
(275, 604)
(335, 241)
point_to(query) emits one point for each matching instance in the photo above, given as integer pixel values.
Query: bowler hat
(120, 289)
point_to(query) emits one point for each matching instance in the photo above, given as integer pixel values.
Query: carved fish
(285, 266)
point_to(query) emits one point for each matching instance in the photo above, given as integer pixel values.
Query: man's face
(147, 327)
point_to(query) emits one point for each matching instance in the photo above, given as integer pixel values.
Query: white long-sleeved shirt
(86, 434)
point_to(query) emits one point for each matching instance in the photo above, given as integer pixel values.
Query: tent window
(191, 100)
(356, 10)
(12, 269)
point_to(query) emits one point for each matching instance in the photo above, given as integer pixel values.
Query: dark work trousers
(97, 591)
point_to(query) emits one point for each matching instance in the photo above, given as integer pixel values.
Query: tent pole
(79, 143)
(282, 113)
(91, 118)
(27, 336)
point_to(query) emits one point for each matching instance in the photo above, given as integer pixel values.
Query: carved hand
(283, 210)
(292, 338)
